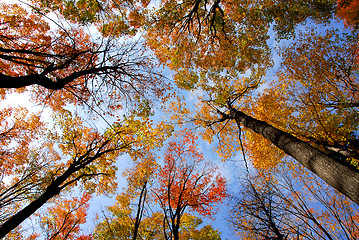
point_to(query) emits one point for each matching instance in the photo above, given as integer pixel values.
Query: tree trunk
(338, 174)
(52, 190)
(55, 187)
(175, 232)
(140, 208)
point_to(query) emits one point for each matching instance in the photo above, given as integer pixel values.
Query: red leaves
(349, 12)
(187, 179)
(63, 220)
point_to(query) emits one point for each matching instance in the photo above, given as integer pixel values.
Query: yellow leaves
(354, 162)
(228, 145)
(94, 154)
(141, 173)
(191, 53)
(313, 90)
(20, 133)
(146, 134)
(186, 79)
(178, 111)
(264, 156)
(79, 11)
(116, 27)
(71, 133)
(191, 229)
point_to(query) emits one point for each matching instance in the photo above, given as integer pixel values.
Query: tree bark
(338, 174)
(52, 190)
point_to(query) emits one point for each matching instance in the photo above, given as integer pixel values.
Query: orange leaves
(20, 131)
(116, 18)
(136, 17)
(88, 161)
(318, 84)
(186, 180)
(348, 11)
(200, 48)
(66, 65)
(63, 220)
(21, 32)
(17, 23)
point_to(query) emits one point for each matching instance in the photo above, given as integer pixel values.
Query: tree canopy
(276, 81)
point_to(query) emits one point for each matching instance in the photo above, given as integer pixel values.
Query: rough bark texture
(337, 174)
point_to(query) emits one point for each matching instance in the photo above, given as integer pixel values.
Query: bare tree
(279, 207)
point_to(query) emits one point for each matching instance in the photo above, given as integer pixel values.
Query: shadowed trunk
(58, 184)
(140, 208)
(175, 232)
(52, 190)
(338, 174)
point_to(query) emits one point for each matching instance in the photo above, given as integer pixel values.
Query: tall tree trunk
(56, 186)
(175, 232)
(52, 190)
(140, 208)
(338, 174)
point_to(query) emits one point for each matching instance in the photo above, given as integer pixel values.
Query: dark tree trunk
(140, 208)
(57, 185)
(338, 174)
(52, 190)
(7, 81)
(175, 232)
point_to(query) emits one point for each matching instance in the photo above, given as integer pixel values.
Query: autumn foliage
(348, 10)
(266, 82)
(187, 180)
(63, 220)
